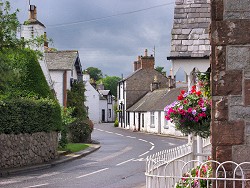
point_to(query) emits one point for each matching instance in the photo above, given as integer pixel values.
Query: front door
(103, 115)
(139, 121)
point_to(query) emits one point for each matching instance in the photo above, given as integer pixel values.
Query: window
(142, 120)
(152, 118)
(128, 118)
(109, 99)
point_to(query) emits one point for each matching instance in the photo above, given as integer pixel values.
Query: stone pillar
(230, 80)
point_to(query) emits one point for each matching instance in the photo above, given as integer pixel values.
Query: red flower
(180, 97)
(167, 117)
(185, 101)
(194, 87)
(183, 91)
(198, 93)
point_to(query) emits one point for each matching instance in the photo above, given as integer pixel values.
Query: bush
(80, 131)
(29, 116)
(66, 120)
(116, 124)
(31, 80)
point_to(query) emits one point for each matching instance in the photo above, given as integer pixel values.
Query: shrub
(80, 131)
(29, 116)
(31, 80)
(116, 124)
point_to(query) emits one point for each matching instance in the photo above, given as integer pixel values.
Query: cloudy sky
(109, 34)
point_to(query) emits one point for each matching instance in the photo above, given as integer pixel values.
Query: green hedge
(29, 116)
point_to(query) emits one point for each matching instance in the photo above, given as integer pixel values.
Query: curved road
(119, 163)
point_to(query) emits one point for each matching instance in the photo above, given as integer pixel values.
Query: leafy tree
(76, 100)
(8, 27)
(94, 73)
(110, 83)
(160, 70)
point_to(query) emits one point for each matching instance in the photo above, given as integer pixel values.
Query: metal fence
(176, 167)
(178, 173)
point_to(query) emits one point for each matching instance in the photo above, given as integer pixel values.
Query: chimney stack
(155, 85)
(46, 44)
(32, 13)
(146, 53)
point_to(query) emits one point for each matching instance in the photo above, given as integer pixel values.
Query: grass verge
(75, 147)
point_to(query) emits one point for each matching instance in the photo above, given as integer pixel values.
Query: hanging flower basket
(190, 113)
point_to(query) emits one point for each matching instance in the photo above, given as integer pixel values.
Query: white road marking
(118, 134)
(152, 148)
(142, 140)
(152, 143)
(125, 162)
(109, 132)
(171, 144)
(8, 182)
(40, 185)
(92, 173)
(144, 153)
(140, 159)
(130, 136)
(48, 175)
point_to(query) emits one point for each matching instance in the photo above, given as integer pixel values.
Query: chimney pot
(32, 12)
(146, 52)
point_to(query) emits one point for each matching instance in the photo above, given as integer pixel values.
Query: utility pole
(154, 51)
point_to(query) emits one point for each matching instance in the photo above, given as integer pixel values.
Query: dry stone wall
(27, 149)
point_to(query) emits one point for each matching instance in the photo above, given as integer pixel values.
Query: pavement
(63, 158)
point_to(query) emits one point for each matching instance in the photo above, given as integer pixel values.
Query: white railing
(163, 161)
(227, 175)
(156, 164)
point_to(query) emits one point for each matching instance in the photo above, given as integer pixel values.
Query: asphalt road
(119, 163)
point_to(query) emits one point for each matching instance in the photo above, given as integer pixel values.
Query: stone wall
(230, 61)
(27, 149)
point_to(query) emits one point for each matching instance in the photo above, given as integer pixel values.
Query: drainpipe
(65, 89)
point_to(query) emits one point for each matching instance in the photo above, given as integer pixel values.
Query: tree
(94, 73)
(110, 83)
(160, 70)
(8, 27)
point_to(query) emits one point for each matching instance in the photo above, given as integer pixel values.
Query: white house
(190, 44)
(100, 103)
(92, 102)
(64, 68)
(147, 115)
(31, 29)
(107, 103)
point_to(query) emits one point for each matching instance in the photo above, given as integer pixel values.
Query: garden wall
(27, 149)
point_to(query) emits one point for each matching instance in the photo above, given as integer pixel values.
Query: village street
(118, 163)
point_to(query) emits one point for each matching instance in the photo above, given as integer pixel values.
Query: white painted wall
(92, 102)
(57, 80)
(103, 106)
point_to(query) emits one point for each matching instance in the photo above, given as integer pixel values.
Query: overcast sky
(109, 34)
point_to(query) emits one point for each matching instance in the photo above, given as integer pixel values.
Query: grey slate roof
(156, 100)
(190, 33)
(61, 60)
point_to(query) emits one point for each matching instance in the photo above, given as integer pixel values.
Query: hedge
(26, 115)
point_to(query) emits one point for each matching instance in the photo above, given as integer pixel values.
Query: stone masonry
(230, 61)
(27, 149)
